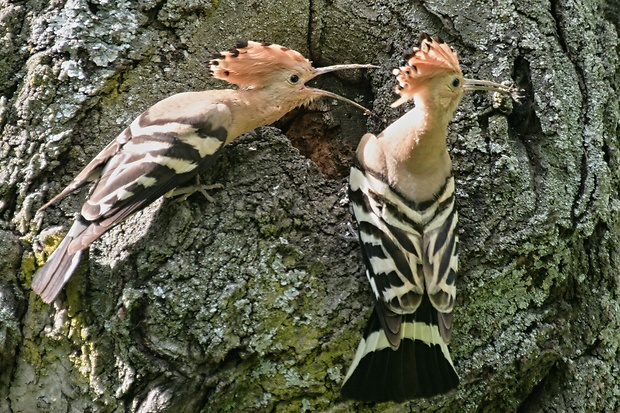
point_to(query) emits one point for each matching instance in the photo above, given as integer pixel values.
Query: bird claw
(181, 194)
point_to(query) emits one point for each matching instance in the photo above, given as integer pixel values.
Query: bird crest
(251, 64)
(433, 57)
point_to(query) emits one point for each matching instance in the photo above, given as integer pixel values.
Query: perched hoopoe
(402, 191)
(177, 139)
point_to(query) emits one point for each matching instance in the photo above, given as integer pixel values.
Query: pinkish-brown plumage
(403, 196)
(430, 59)
(177, 139)
(253, 64)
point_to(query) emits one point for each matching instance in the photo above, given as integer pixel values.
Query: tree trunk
(256, 302)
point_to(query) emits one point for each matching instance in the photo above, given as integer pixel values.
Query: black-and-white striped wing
(392, 250)
(410, 254)
(410, 248)
(163, 148)
(167, 145)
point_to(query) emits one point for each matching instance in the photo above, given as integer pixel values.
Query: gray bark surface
(256, 302)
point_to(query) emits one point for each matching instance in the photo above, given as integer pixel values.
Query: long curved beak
(474, 84)
(321, 92)
(327, 69)
(322, 70)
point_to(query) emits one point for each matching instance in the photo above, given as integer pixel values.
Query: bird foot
(181, 194)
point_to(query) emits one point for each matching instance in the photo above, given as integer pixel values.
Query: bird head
(432, 76)
(253, 65)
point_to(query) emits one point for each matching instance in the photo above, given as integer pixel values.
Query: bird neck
(418, 139)
(252, 108)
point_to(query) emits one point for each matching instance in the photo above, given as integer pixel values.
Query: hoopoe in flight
(402, 191)
(178, 138)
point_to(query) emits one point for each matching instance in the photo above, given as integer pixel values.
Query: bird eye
(293, 79)
(456, 82)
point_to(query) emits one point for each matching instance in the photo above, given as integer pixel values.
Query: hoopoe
(178, 138)
(402, 192)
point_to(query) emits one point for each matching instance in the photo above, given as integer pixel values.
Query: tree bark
(256, 302)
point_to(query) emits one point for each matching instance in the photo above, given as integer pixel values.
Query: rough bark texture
(256, 302)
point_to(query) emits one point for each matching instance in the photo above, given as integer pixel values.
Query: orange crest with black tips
(252, 64)
(433, 57)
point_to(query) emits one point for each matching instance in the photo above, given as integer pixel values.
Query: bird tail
(419, 367)
(59, 267)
